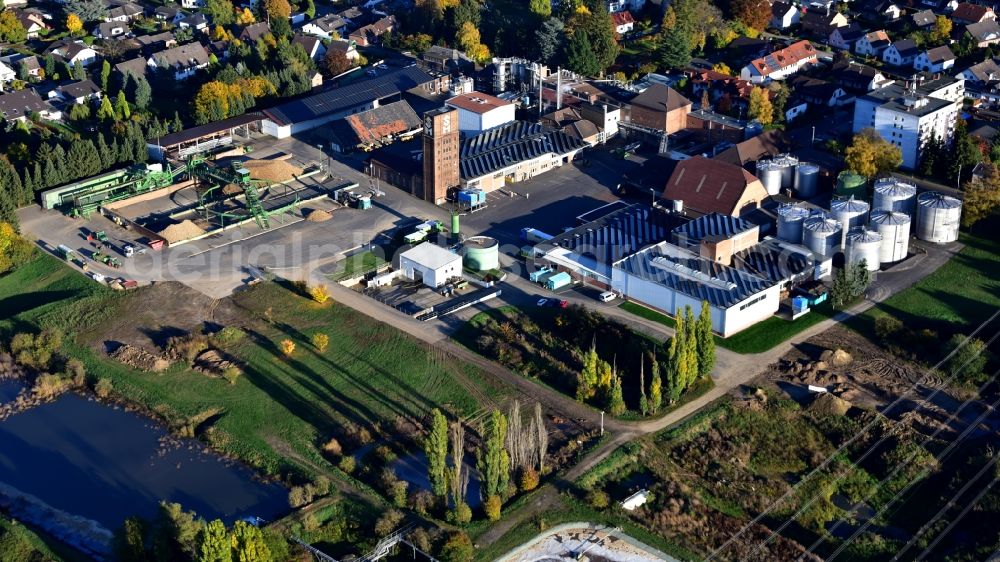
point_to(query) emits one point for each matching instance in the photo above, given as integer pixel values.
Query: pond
(82, 467)
(412, 469)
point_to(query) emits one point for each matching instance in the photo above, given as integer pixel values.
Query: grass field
(283, 408)
(19, 543)
(756, 339)
(356, 264)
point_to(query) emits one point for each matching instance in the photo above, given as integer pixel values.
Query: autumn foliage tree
(755, 14)
(335, 62)
(470, 41)
(870, 155)
(761, 108)
(73, 24)
(982, 198)
(277, 8)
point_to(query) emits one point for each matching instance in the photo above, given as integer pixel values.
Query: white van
(607, 296)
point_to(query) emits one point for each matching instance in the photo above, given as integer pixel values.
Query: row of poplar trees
(690, 355)
(510, 446)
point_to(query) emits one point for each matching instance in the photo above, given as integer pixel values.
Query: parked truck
(534, 235)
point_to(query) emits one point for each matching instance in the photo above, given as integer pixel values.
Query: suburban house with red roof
(967, 13)
(623, 22)
(781, 63)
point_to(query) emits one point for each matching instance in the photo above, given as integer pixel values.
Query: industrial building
(712, 186)
(431, 264)
(375, 127)
(204, 138)
(478, 112)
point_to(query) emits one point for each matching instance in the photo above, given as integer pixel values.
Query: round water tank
(938, 217)
(821, 235)
(770, 176)
(850, 184)
(806, 180)
(850, 212)
(786, 163)
(482, 253)
(894, 195)
(863, 245)
(895, 230)
(790, 219)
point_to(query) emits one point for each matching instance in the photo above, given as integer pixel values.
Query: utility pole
(812, 139)
(602, 422)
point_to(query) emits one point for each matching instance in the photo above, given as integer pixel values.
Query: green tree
(220, 12)
(79, 112)
(586, 383)
(968, 364)
(11, 29)
(674, 50)
(310, 11)
(677, 365)
(869, 154)
(494, 461)
(655, 385)
(143, 93)
(436, 448)
(122, 109)
(643, 400)
(706, 341)
(248, 544)
(541, 8)
(616, 402)
(14, 249)
(580, 57)
(79, 73)
(458, 548)
(548, 40)
(130, 541)
(941, 32)
(175, 533)
(87, 10)
(105, 74)
(106, 111)
(83, 158)
(691, 347)
(981, 198)
(213, 543)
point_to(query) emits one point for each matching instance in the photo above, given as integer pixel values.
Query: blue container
(465, 197)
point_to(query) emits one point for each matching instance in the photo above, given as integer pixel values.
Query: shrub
(388, 522)
(422, 501)
(333, 447)
(529, 480)
(887, 326)
(385, 454)
(321, 485)
(347, 464)
(598, 499)
(458, 548)
(398, 493)
(320, 341)
(187, 347)
(319, 294)
(461, 515)
(48, 386)
(76, 372)
(231, 373)
(287, 347)
(310, 522)
(297, 497)
(103, 388)
(492, 508)
(229, 335)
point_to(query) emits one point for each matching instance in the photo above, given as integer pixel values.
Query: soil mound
(211, 362)
(139, 358)
(829, 404)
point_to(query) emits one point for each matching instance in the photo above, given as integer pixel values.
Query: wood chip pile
(276, 171)
(318, 215)
(184, 230)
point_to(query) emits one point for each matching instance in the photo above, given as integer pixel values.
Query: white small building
(873, 44)
(431, 264)
(478, 112)
(784, 15)
(937, 59)
(635, 501)
(901, 53)
(7, 74)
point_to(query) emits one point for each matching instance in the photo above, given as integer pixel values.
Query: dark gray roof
(614, 236)
(988, 30)
(80, 89)
(183, 56)
(923, 18)
(774, 260)
(136, 66)
(708, 227)
(208, 129)
(19, 103)
(330, 22)
(687, 273)
(337, 99)
(906, 47)
(511, 143)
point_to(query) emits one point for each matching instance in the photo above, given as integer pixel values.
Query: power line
(963, 513)
(759, 517)
(854, 464)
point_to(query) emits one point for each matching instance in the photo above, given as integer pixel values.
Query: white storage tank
(850, 212)
(938, 217)
(821, 235)
(863, 244)
(770, 176)
(806, 180)
(790, 219)
(787, 164)
(892, 194)
(895, 230)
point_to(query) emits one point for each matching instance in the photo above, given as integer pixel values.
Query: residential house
(985, 33)
(856, 77)
(622, 22)
(981, 74)
(33, 22)
(136, 67)
(846, 36)
(326, 27)
(662, 108)
(312, 45)
(795, 107)
(713, 186)
(32, 66)
(194, 22)
(218, 48)
(781, 63)
(13, 3)
(873, 44)
(967, 13)
(765, 145)
(444, 59)
(615, 6)
(170, 14)
(72, 52)
(723, 89)
(923, 19)
(818, 92)
(371, 33)
(346, 46)
(192, 4)
(748, 48)
(18, 105)
(112, 29)
(880, 11)
(356, 17)
(937, 59)
(253, 32)
(901, 53)
(78, 92)
(123, 11)
(184, 60)
(7, 74)
(157, 42)
(822, 23)
(784, 15)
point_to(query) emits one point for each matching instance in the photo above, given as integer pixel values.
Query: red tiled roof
(622, 18)
(477, 102)
(970, 12)
(708, 185)
(790, 55)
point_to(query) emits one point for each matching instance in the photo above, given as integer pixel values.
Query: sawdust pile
(272, 170)
(139, 358)
(211, 362)
(318, 215)
(231, 189)
(184, 230)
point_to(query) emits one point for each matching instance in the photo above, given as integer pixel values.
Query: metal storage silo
(863, 244)
(895, 230)
(850, 184)
(786, 163)
(806, 180)
(790, 219)
(821, 235)
(482, 253)
(938, 217)
(770, 176)
(850, 212)
(892, 194)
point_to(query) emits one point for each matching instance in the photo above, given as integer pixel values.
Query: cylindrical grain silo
(790, 219)
(850, 184)
(895, 230)
(892, 194)
(863, 245)
(938, 217)
(821, 235)
(850, 212)
(786, 163)
(770, 176)
(482, 253)
(806, 180)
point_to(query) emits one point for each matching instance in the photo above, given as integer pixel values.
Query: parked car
(606, 296)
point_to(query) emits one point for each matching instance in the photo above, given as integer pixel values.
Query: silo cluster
(790, 219)
(938, 217)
